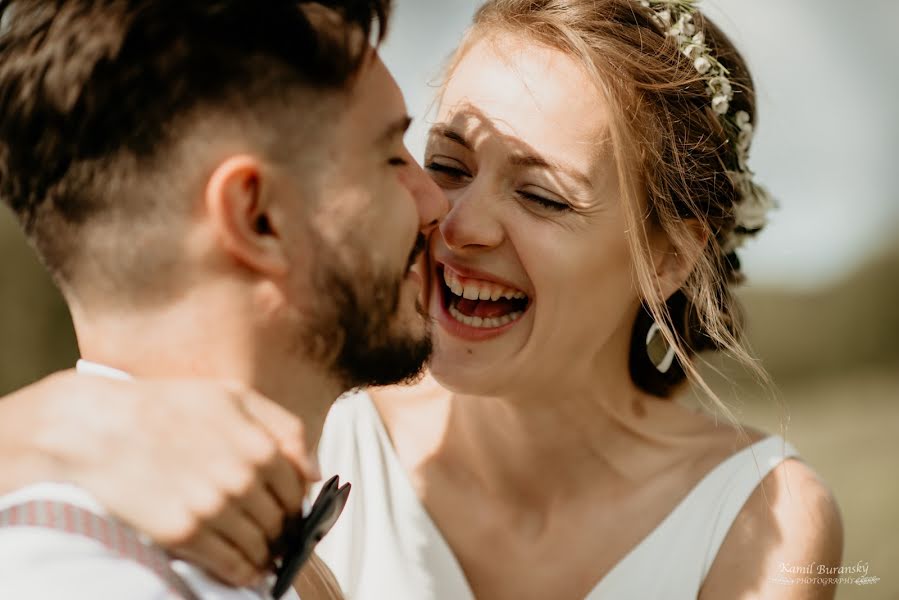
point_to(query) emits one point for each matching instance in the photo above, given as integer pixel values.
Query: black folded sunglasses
(301, 534)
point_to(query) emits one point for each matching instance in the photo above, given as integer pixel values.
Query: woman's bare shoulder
(791, 519)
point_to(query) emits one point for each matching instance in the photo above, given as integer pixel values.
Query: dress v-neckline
(452, 561)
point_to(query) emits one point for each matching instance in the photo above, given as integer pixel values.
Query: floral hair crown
(675, 18)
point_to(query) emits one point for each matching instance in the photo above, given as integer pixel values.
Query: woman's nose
(470, 223)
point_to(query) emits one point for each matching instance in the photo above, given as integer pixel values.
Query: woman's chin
(459, 373)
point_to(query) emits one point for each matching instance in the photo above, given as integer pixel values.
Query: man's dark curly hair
(86, 82)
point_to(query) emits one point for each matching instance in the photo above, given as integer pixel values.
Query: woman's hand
(206, 469)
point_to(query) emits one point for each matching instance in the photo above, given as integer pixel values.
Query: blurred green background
(833, 353)
(823, 298)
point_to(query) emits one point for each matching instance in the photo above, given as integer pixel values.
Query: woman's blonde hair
(670, 147)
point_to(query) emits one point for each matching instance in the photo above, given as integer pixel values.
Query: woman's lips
(495, 321)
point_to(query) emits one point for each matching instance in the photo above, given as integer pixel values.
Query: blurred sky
(827, 76)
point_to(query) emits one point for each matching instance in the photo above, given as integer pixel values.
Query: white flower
(734, 242)
(683, 30)
(720, 104)
(676, 19)
(695, 47)
(720, 86)
(752, 211)
(702, 65)
(744, 138)
(686, 26)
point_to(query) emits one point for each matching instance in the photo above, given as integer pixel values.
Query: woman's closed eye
(543, 201)
(449, 171)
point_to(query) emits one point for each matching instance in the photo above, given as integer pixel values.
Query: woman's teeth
(481, 323)
(479, 290)
(471, 290)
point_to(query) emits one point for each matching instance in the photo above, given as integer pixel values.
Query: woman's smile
(475, 305)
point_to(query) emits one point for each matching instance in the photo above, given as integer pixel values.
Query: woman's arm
(207, 470)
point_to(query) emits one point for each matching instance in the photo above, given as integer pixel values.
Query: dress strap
(735, 480)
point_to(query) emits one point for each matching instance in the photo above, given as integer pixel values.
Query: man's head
(152, 146)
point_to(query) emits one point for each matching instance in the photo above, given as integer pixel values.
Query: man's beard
(354, 327)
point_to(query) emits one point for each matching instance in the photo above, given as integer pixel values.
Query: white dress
(385, 544)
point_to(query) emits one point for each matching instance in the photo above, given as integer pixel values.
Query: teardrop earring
(661, 355)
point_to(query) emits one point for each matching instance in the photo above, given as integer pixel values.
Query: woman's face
(531, 270)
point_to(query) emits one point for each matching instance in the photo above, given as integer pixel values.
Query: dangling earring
(661, 355)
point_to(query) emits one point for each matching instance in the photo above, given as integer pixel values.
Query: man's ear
(673, 264)
(237, 201)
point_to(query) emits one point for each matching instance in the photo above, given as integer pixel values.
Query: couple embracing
(222, 193)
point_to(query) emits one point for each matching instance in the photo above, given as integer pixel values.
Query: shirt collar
(86, 367)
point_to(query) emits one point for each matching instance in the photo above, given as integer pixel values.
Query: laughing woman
(595, 156)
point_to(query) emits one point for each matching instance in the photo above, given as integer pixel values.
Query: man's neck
(209, 341)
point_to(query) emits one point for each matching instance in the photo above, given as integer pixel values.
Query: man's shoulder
(57, 541)
(38, 562)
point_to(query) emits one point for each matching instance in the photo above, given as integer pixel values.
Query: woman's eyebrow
(517, 160)
(450, 134)
(535, 161)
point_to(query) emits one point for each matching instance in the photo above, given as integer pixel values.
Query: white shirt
(45, 564)
(385, 544)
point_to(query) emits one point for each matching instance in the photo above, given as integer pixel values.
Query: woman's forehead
(526, 90)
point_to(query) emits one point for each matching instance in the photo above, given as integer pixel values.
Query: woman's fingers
(282, 482)
(287, 469)
(265, 482)
(260, 505)
(214, 553)
(285, 428)
(244, 534)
